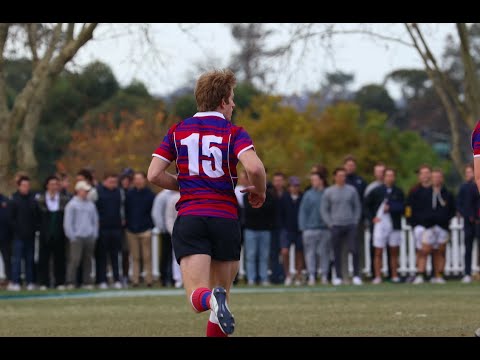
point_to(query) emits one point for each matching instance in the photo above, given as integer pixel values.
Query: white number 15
(191, 142)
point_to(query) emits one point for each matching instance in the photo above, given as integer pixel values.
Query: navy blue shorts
(291, 237)
(218, 237)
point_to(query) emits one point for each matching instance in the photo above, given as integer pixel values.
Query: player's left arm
(158, 175)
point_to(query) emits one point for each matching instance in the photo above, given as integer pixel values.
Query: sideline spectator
(341, 210)
(138, 209)
(110, 240)
(384, 207)
(289, 205)
(81, 227)
(467, 207)
(24, 222)
(52, 241)
(315, 232)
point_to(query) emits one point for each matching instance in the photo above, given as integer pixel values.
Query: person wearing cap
(289, 208)
(81, 227)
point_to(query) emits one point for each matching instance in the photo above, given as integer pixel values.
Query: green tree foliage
(375, 97)
(184, 106)
(292, 141)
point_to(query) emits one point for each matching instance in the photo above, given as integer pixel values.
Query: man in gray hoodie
(81, 227)
(341, 210)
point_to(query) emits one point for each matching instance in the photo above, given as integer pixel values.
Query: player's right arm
(161, 160)
(158, 175)
(256, 176)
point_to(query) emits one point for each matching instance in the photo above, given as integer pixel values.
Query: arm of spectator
(397, 206)
(95, 223)
(357, 207)
(156, 212)
(302, 215)
(325, 209)
(368, 206)
(67, 222)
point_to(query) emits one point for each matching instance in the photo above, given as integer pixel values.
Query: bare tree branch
(32, 41)
(472, 85)
(435, 76)
(70, 49)
(53, 43)
(445, 82)
(330, 31)
(70, 32)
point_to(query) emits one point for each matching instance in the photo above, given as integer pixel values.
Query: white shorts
(392, 238)
(434, 236)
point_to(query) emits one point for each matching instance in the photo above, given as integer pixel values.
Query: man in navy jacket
(138, 209)
(110, 235)
(467, 206)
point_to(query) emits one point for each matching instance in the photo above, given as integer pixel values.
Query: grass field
(383, 310)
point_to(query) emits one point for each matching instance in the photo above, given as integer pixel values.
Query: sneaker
(43, 288)
(418, 280)
(103, 286)
(288, 281)
(467, 279)
(178, 284)
(439, 280)
(377, 280)
(337, 281)
(117, 285)
(324, 280)
(87, 287)
(311, 280)
(357, 281)
(60, 287)
(251, 283)
(396, 280)
(30, 287)
(218, 304)
(298, 282)
(13, 287)
(266, 283)
(70, 287)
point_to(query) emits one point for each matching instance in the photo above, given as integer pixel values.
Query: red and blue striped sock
(200, 299)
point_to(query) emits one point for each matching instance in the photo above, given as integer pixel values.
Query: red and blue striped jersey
(476, 140)
(206, 148)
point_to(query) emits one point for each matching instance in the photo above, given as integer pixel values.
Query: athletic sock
(213, 328)
(200, 299)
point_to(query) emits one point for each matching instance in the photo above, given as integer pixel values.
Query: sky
(170, 57)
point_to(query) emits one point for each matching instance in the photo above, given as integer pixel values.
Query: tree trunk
(5, 155)
(471, 82)
(26, 159)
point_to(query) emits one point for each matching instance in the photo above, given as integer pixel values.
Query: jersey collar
(209, 113)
